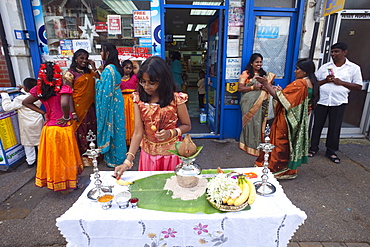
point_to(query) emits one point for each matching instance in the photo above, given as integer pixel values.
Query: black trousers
(201, 100)
(335, 114)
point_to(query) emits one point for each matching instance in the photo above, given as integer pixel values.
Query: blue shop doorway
(196, 32)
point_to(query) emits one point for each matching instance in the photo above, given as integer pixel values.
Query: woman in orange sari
(254, 104)
(82, 80)
(289, 131)
(128, 85)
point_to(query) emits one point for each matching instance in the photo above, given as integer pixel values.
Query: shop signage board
(333, 6)
(156, 28)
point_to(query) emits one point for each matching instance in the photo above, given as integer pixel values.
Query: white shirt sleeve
(356, 76)
(9, 105)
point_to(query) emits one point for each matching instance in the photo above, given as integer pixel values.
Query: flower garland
(57, 79)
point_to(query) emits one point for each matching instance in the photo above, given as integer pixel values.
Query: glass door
(214, 72)
(273, 38)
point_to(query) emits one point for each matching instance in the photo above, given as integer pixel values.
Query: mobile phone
(262, 73)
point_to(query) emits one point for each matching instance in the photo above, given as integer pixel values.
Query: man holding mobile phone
(336, 79)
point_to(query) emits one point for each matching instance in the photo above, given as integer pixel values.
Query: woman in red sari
(82, 80)
(289, 131)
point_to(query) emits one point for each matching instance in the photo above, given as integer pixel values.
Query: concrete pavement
(334, 197)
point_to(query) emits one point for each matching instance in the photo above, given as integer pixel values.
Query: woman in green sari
(254, 104)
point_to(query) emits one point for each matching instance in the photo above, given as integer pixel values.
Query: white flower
(222, 186)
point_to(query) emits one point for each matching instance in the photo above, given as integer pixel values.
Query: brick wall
(4, 75)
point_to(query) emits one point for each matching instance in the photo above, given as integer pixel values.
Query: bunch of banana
(248, 193)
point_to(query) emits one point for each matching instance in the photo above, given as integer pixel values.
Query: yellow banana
(123, 182)
(245, 193)
(226, 198)
(231, 201)
(252, 192)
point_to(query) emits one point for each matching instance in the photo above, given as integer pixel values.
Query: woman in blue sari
(111, 136)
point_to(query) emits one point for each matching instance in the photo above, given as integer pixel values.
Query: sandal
(311, 153)
(333, 158)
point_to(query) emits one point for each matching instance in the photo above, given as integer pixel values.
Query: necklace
(81, 71)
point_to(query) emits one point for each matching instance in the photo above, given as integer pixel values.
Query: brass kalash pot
(187, 171)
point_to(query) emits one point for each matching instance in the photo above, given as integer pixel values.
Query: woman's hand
(63, 121)
(262, 79)
(119, 170)
(92, 63)
(163, 135)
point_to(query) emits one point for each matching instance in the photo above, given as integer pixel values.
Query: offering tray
(227, 208)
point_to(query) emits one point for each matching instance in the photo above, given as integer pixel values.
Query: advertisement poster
(142, 27)
(233, 68)
(81, 44)
(114, 24)
(66, 47)
(236, 17)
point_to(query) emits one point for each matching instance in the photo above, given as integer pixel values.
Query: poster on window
(233, 68)
(236, 17)
(114, 24)
(66, 47)
(233, 47)
(141, 22)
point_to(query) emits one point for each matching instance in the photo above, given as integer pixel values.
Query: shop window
(358, 4)
(74, 24)
(275, 3)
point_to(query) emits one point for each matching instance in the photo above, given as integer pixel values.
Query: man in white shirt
(336, 79)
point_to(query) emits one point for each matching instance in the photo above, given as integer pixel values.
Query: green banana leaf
(151, 195)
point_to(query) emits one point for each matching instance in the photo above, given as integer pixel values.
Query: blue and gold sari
(111, 136)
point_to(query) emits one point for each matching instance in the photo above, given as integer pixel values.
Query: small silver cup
(105, 200)
(122, 199)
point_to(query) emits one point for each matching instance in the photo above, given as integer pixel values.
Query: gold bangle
(133, 155)
(129, 165)
(252, 87)
(179, 132)
(172, 133)
(73, 113)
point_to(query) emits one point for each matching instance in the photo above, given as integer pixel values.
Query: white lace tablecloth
(271, 221)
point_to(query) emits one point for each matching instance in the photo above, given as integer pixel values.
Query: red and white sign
(114, 24)
(101, 26)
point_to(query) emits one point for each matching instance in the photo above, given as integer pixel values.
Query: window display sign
(81, 44)
(66, 47)
(236, 17)
(101, 26)
(142, 27)
(114, 24)
(233, 68)
(134, 52)
(233, 47)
